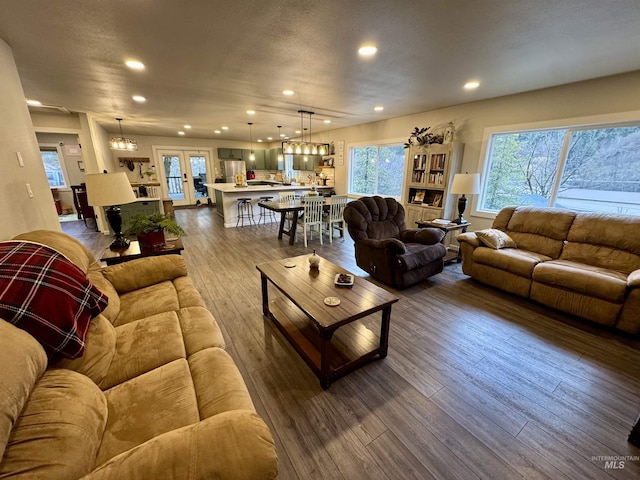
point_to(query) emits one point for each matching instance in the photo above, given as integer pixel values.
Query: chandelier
(305, 146)
(122, 142)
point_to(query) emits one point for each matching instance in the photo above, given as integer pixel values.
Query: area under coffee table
(326, 337)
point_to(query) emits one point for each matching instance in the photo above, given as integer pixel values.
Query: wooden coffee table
(328, 338)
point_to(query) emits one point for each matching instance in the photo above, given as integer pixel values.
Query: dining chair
(313, 207)
(287, 197)
(334, 220)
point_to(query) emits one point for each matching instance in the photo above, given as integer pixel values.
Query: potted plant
(150, 228)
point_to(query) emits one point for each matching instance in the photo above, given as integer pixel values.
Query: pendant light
(280, 156)
(305, 146)
(252, 156)
(122, 142)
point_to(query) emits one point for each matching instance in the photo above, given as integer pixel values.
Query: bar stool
(245, 210)
(264, 213)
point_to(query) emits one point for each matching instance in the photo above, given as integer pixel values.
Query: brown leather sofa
(585, 264)
(386, 248)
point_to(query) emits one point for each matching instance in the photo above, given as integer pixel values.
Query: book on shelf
(441, 221)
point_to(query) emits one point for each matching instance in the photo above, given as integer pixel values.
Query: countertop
(231, 187)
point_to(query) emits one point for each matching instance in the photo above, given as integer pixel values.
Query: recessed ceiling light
(139, 98)
(34, 103)
(187, 126)
(378, 108)
(367, 50)
(134, 64)
(259, 140)
(180, 133)
(298, 132)
(251, 112)
(471, 85)
(288, 92)
(217, 132)
(224, 127)
(282, 135)
(269, 138)
(327, 121)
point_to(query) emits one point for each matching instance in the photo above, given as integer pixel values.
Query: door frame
(183, 153)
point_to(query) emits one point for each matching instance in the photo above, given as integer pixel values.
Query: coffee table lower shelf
(333, 353)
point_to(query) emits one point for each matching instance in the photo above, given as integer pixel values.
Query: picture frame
(81, 165)
(419, 197)
(437, 200)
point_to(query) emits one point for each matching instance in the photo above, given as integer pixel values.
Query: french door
(183, 174)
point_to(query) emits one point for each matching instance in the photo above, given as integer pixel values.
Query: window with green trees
(589, 169)
(53, 167)
(377, 170)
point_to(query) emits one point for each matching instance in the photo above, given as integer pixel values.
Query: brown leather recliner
(386, 248)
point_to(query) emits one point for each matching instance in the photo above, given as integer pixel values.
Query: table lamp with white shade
(111, 190)
(464, 183)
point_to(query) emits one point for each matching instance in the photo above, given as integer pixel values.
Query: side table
(447, 227)
(113, 257)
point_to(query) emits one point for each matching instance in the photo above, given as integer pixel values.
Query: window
(377, 170)
(53, 167)
(593, 169)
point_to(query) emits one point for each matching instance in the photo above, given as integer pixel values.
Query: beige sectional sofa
(154, 395)
(586, 264)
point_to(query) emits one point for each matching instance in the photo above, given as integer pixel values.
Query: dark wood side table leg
(634, 436)
(265, 295)
(325, 359)
(384, 331)
(459, 256)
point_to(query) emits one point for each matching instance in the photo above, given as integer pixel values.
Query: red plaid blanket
(45, 294)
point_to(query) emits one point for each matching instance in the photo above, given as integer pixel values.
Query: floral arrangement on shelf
(422, 136)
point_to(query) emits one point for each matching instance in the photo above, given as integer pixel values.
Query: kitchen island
(227, 194)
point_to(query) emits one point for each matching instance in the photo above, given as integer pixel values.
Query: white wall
(615, 94)
(18, 212)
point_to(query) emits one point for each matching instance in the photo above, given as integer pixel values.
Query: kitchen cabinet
(313, 161)
(271, 159)
(258, 163)
(230, 153)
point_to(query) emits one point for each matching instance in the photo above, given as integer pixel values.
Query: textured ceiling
(209, 61)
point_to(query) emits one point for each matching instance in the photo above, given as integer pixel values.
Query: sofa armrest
(144, 272)
(470, 238)
(425, 236)
(231, 445)
(633, 280)
(391, 244)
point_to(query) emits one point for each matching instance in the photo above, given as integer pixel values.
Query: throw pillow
(46, 295)
(494, 238)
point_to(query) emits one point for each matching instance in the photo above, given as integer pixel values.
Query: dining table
(295, 207)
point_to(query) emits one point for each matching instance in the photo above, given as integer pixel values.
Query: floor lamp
(111, 190)
(464, 183)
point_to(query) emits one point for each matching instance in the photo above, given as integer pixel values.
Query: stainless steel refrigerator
(232, 168)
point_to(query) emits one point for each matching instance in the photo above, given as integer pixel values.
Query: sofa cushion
(113, 307)
(604, 240)
(514, 260)
(99, 350)
(159, 298)
(143, 345)
(45, 294)
(586, 279)
(539, 230)
(218, 384)
(199, 329)
(494, 238)
(23, 361)
(58, 433)
(188, 296)
(147, 406)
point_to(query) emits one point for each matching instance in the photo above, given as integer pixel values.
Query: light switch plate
(20, 161)
(29, 191)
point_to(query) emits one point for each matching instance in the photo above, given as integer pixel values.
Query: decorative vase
(151, 240)
(314, 261)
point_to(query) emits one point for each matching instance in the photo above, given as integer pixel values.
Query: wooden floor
(477, 383)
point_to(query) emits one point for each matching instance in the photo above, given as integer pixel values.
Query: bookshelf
(430, 171)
